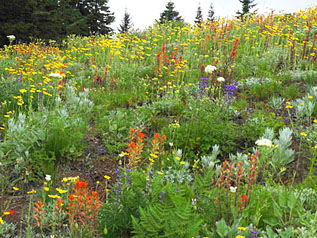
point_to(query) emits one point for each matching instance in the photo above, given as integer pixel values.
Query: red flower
(83, 89)
(233, 53)
(11, 212)
(142, 135)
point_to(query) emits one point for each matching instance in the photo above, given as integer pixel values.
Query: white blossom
(56, 75)
(48, 177)
(220, 79)
(233, 189)
(11, 37)
(210, 68)
(264, 142)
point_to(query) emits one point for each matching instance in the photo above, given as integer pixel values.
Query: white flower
(48, 177)
(210, 68)
(220, 79)
(0, 164)
(233, 189)
(171, 144)
(56, 75)
(11, 37)
(264, 142)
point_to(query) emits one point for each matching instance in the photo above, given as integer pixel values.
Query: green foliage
(199, 16)
(246, 8)
(169, 14)
(173, 217)
(126, 23)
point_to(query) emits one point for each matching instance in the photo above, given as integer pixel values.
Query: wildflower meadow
(179, 130)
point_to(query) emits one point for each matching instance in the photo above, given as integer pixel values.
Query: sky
(144, 12)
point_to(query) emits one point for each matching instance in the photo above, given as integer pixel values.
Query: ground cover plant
(177, 131)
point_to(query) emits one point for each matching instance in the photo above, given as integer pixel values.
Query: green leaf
(291, 202)
(222, 228)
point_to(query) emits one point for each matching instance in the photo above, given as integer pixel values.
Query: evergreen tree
(170, 14)
(16, 20)
(97, 16)
(211, 13)
(247, 5)
(126, 23)
(199, 16)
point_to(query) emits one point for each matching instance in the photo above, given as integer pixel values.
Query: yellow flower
(289, 107)
(46, 189)
(61, 191)
(23, 91)
(160, 173)
(310, 97)
(98, 182)
(288, 103)
(238, 236)
(53, 196)
(241, 228)
(1, 220)
(15, 189)
(182, 162)
(107, 177)
(303, 133)
(6, 213)
(7, 116)
(151, 160)
(1, 128)
(177, 158)
(154, 156)
(32, 191)
(315, 121)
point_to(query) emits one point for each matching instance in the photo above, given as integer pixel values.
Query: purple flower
(230, 89)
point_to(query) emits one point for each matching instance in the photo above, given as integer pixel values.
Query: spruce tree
(170, 14)
(199, 16)
(97, 16)
(126, 23)
(211, 13)
(247, 5)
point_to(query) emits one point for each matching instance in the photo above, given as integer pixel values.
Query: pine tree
(170, 14)
(97, 16)
(211, 13)
(247, 5)
(16, 20)
(199, 16)
(126, 23)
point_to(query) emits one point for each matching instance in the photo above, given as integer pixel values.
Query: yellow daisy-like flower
(15, 189)
(177, 158)
(23, 91)
(303, 133)
(151, 160)
(46, 189)
(1, 221)
(238, 236)
(61, 191)
(310, 97)
(182, 162)
(32, 191)
(289, 107)
(315, 121)
(107, 177)
(160, 173)
(154, 156)
(241, 228)
(53, 196)
(6, 213)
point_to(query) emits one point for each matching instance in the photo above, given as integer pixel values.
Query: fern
(173, 217)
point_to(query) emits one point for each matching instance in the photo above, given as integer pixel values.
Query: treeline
(53, 19)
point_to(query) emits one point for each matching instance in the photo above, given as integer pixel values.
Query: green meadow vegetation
(178, 131)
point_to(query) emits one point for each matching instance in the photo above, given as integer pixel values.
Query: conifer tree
(97, 16)
(247, 5)
(170, 14)
(211, 13)
(199, 16)
(126, 23)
